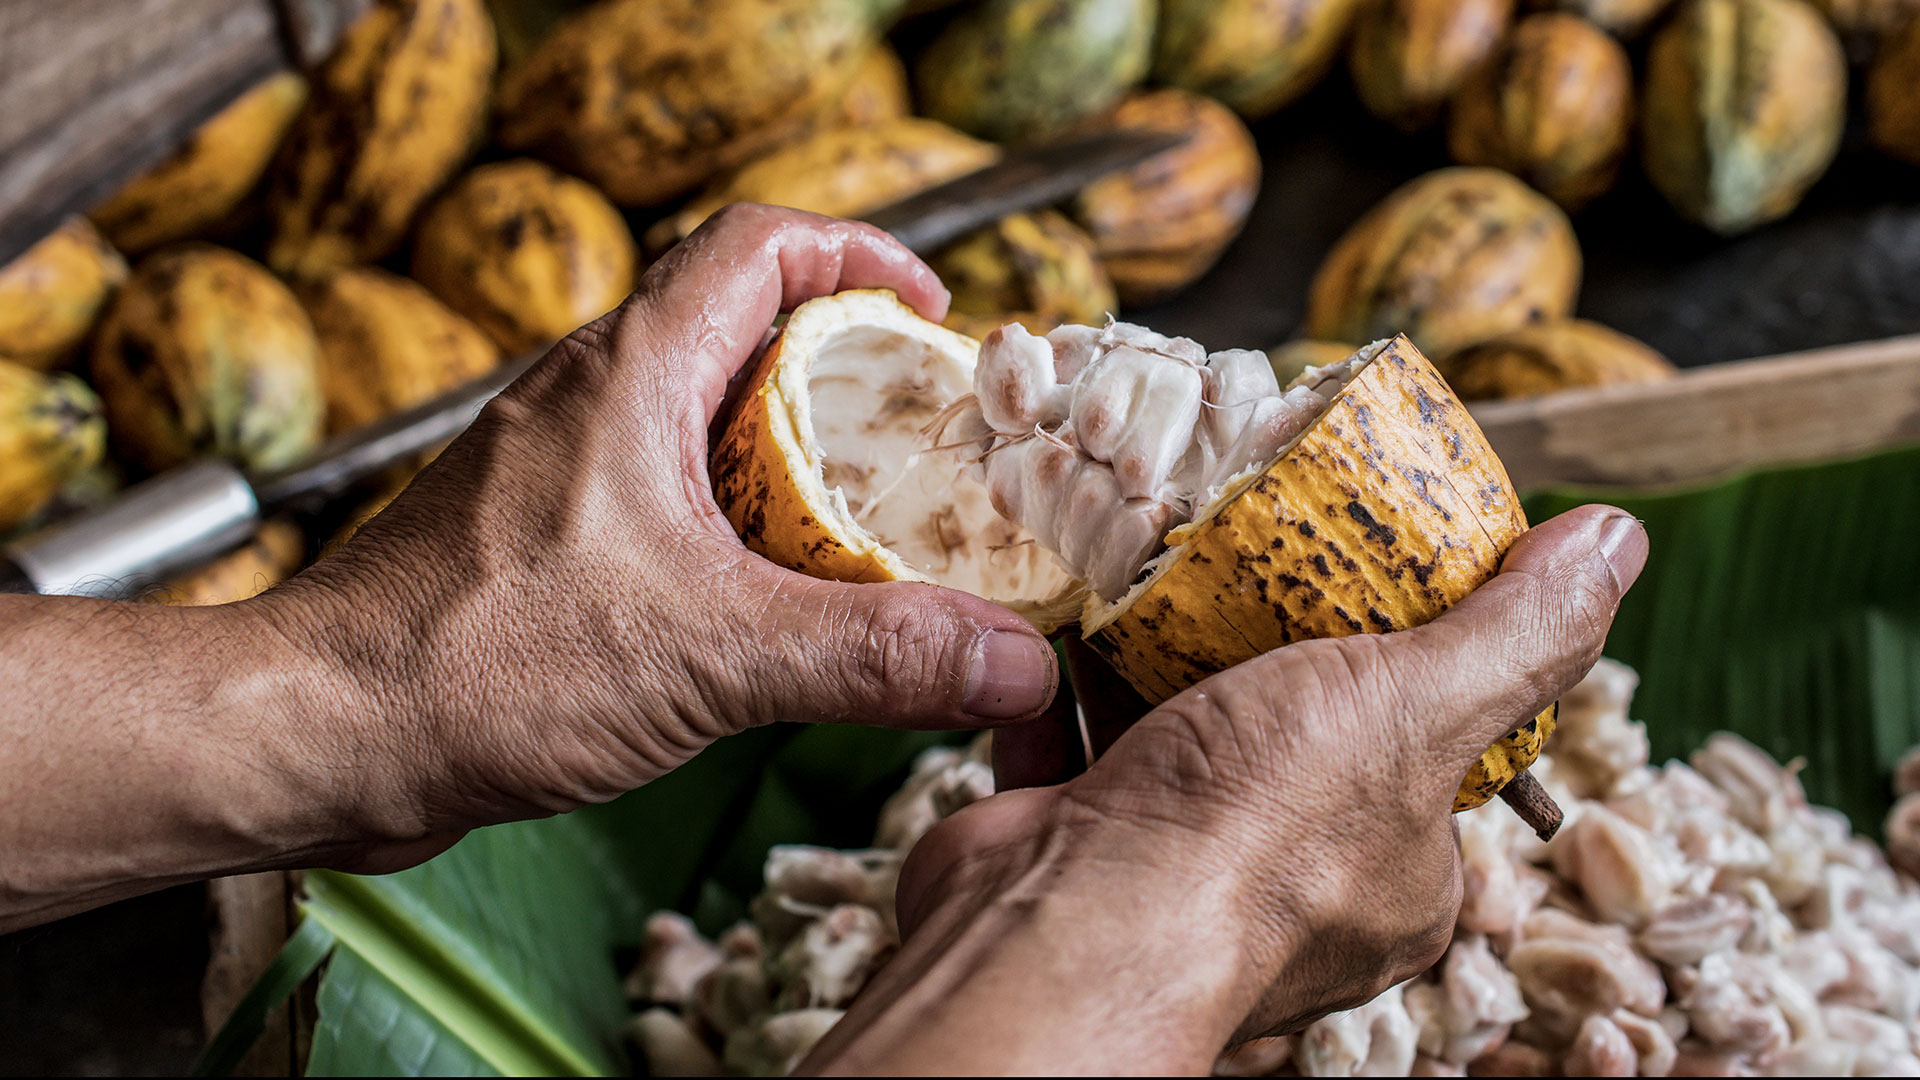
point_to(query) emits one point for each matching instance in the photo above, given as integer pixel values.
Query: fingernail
(1623, 543)
(1012, 675)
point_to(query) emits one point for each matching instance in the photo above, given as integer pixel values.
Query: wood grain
(1714, 421)
(251, 917)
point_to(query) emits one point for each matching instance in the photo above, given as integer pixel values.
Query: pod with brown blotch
(1554, 107)
(51, 431)
(1383, 509)
(386, 345)
(1450, 259)
(1024, 69)
(1256, 56)
(526, 253)
(1554, 356)
(1292, 359)
(1409, 56)
(840, 172)
(206, 354)
(274, 554)
(202, 184)
(649, 99)
(394, 111)
(1621, 18)
(52, 294)
(1893, 94)
(1161, 224)
(1744, 105)
(1038, 269)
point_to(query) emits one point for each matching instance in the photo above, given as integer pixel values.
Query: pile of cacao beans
(1696, 918)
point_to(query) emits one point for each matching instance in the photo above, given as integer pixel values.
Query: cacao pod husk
(1409, 56)
(271, 556)
(387, 345)
(202, 184)
(393, 113)
(649, 99)
(527, 254)
(1038, 269)
(1550, 357)
(52, 294)
(1867, 20)
(1451, 259)
(204, 353)
(1554, 107)
(1161, 224)
(1893, 94)
(1021, 69)
(1621, 18)
(1744, 105)
(1256, 56)
(51, 431)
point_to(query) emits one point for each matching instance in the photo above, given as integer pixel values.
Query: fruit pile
(1696, 918)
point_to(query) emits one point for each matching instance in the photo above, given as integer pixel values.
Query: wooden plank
(94, 91)
(1714, 421)
(250, 917)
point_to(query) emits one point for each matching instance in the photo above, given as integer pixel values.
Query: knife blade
(183, 518)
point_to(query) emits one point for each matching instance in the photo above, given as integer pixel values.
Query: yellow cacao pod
(1450, 259)
(202, 183)
(651, 98)
(51, 430)
(1547, 357)
(1867, 19)
(386, 345)
(206, 354)
(1408, 56)
(1893, 94)
(528, 254)
(1555, 108)
(51, 294)
(1745, 101)
(1038, 269)
(1254, 55)
(1622, 18)
(273, 555)
(394, 112)
(1161, 224)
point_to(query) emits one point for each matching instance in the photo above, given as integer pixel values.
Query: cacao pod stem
(1533, 804)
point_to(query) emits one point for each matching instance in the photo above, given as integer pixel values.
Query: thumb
(901, 655)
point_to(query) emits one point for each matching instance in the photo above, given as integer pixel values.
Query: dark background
(116, 991)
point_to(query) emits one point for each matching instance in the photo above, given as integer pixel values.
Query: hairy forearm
(1052, 958)
(146, 745)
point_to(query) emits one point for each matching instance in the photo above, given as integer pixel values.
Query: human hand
(556, 612)
(1274, 844)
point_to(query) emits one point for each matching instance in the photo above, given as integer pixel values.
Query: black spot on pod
(1377, 532)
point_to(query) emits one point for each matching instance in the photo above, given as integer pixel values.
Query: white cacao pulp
(1100, 441)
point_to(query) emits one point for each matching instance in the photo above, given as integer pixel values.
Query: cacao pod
(204, 353)
(651, 98)
(273, 555)
(201, 185)
(51, 431)
(1255, 55)
(1036, 269)
(1450, 259)
(1546, 357)
(878, 93)
(1161, 224)
(394, 111)
(1867, 20)
(1554, 108)
(386, 345)
(1408, 56)
(1291, 360)
(1016, 69)
(526, 253)
(840, 172)
(1622, 18)
(1745, 101)
(1893, 94)
(51, 294)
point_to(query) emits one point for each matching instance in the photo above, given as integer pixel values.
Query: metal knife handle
(166, 525)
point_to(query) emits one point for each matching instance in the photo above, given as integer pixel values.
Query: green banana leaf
(1784, 605)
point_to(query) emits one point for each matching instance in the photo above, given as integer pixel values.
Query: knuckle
(903, 645)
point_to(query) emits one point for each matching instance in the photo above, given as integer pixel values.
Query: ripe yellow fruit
(394, 112)
(271, 557)
(205, 353)
(1409, 56)
(51, 430)
(51, 294)
(528, 254)
(1039, 270)
(1553, 356)
(1893, 94)
(1253, 55)
(387, 345)
(205, 180)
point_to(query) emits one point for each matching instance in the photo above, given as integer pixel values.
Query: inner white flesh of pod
(876, 376)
